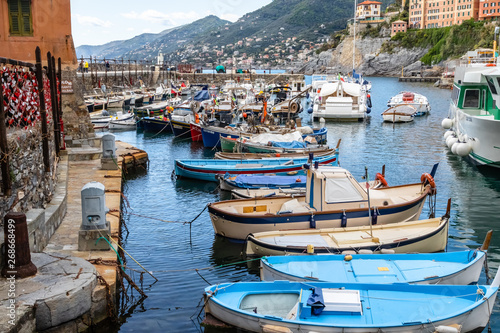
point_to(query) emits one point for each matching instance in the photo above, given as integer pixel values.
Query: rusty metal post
(105, 71)
(59, 96)
(43, 110)
(53, 98)
(17, 256)
(123, 83)
(129, 77)
(4, 151)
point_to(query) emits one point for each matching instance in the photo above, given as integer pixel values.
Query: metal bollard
(17, 256)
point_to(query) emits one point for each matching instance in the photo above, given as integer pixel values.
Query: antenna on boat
(369, 206)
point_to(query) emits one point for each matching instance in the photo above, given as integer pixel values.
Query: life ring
(381, 179)
(429, 179)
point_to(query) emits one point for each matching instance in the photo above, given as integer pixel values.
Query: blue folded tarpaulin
(251, 181)
(201, 95)
(292, 144)
(316, 302)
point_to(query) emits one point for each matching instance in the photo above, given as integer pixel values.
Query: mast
(354, 32)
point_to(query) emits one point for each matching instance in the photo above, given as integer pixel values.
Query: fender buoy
(427, 178)
(381, 179)
(490, 65)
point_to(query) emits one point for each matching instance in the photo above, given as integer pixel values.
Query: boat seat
(293, 206)
(256, 165)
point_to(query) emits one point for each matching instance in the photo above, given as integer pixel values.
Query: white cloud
(230, 17)
(94, 21)
(172, 19)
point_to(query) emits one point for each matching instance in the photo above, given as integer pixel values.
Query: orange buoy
(381, 179)
(429, 179)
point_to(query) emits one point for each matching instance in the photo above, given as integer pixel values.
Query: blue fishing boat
(211, 135)
(181, 125)
(284, 306)
(461, 267)
(208, 169)
(159, 124)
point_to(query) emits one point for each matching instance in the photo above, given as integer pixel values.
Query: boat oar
(486, 243)
(369, 206)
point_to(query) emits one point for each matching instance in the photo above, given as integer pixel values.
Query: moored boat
(159, 124)
(473, 122)
(429, 235)
(325, 307)
(460, 267)
(208, 169)
(246, 156)
(399, 114)
(416, 100)
(333, 199)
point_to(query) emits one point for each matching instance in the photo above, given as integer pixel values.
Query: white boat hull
(237, 230)
(391, 118)
(486, 134)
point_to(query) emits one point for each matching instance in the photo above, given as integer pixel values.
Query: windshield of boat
(341, 190)
(471, 98)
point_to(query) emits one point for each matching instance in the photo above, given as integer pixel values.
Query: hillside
(308, 22)
(147, 46)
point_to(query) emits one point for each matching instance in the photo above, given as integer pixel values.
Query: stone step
(84, 153)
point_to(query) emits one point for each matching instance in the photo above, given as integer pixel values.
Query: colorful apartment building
(26, 24)
(489, 10)
(369, 11)
(426, 14)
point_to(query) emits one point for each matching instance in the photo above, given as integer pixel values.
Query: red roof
(369, 2)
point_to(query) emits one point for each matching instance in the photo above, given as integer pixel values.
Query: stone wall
(32, 187)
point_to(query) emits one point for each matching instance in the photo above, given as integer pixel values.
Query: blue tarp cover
(292, 144)
(201, 95)
(316, 302)
(249, 181)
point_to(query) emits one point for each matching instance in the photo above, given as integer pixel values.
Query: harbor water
(187, 258)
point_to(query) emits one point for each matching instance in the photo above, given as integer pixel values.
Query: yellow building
(26, 24)
(369, 11)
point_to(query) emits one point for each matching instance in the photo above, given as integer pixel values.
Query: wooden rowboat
(429, 235)
(248, 156)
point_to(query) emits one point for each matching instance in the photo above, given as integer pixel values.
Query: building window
(20, 23)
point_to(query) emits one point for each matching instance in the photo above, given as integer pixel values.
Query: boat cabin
(477, 90)
(340, 97)
(328, 186)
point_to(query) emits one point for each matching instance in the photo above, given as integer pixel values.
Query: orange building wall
(51, 32)
(442, 13)
(489, 9)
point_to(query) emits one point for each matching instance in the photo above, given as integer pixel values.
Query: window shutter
(26, 17)
(14, 17)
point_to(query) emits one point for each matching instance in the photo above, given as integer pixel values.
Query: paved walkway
(66, 285)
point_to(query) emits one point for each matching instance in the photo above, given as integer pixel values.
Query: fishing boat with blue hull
(461, 267)
(208, 169)
(159, 124)
(326, 307)
(181, 125)
(334, 198)
(211, 135)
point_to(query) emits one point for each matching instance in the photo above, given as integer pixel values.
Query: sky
(96, 22)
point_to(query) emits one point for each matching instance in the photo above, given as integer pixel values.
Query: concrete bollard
(108, 160)
(17, 256)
